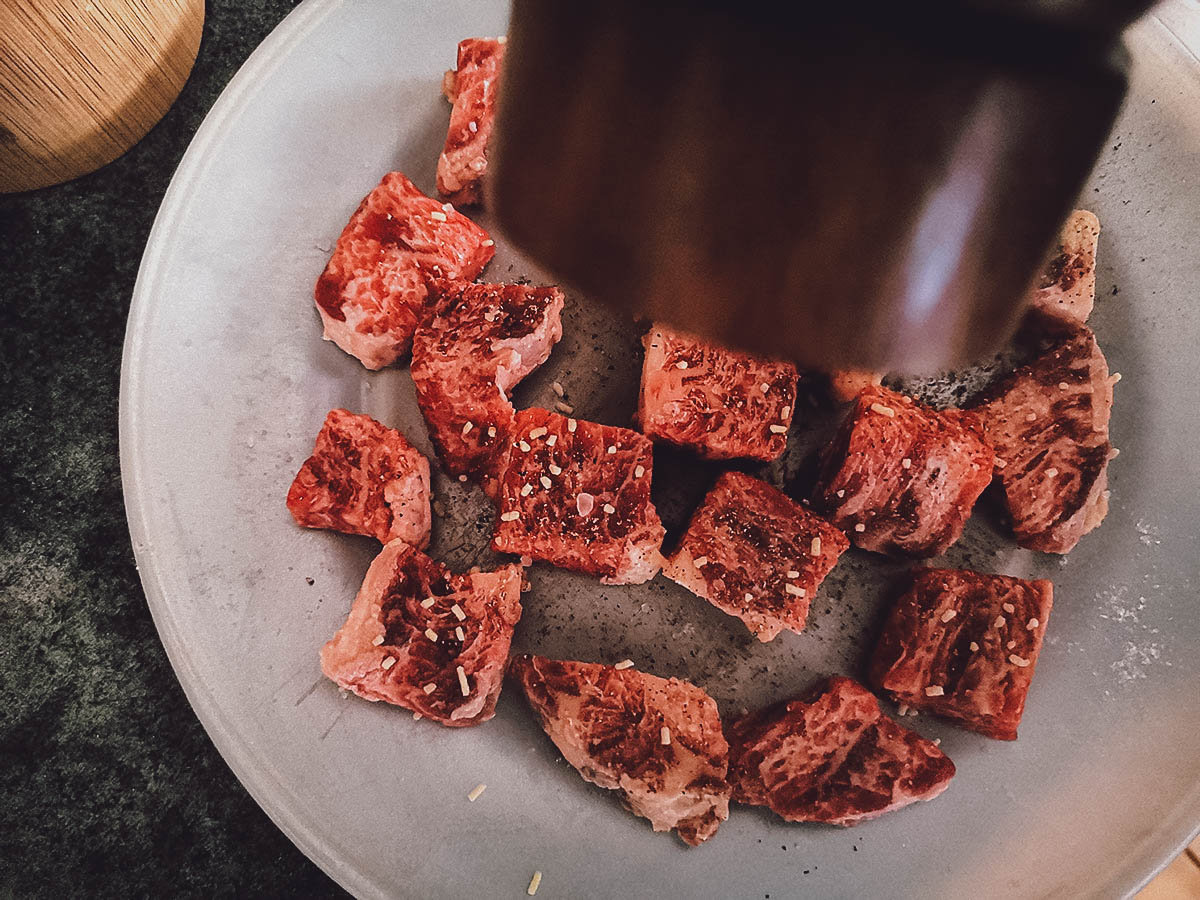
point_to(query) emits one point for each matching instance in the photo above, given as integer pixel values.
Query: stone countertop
(110, 786)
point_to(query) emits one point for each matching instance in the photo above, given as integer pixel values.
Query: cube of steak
(1048, 423)
(425, 639)
(480, 342)
(657, 741)
(757, 554)
(832, 756)
(901, 477)
(577, 494)
(363, 478)
(472, 89)
(373, 291)
(1066, 291)
(720, 403)
(964, 646)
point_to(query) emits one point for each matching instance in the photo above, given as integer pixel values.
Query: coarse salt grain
(458, 633)
(1051, 472)
(764, 387)
(883, 410)
(1017, 661)
(624, 664)
(527, 490)
(572, 425)
(429, 688)
(557, 388)
(1062, 386)
(785, 412)
(462, 478)
(428, 602)
(555, 470)
(546, 482)
(665, 735)
(860, 527)
(473, 126)
(458, 612)
(534, 883)
(749, 597)
(510, 516)
(682, 364)
(974, 646)
(377, 640)
(537, 432)
(949, 614)
(903, 710)
(431, 634)
(438, 215)
(467, 428)
(639, 471)
(417, 717)
(1011, 644)
(475, 792)
(841, 494)
(935, 690)
(793, 573)
(1008, 608)
(1032, 624)
(1000, 622)
(1032, 417)
(550, 442)
(1114, 378)
(1000, 464)
(778, 429)
(388, 662)
(906, 463)
(585, 503)
(462, 681)
(524, 445)
(609, 508)
(816, 546)
(793, 590)
(565, 408)
(612, 448)
(487, 243)
(700, 561)
(491, 431)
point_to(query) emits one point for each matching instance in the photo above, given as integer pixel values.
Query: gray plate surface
(226, 381)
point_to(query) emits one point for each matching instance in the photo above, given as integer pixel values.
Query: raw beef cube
(363, 478)
(901, 477)
(846, 384)
(964, 646)
(481, 341)
(472, 88)
(373, 290)
(577, 494)
(832, 756)
(657, 741)
(757, 554)
(1048, 423)
(425, 639)
(1066, 291)
(720, 403)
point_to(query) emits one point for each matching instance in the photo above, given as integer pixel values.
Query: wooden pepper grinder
(82, 81)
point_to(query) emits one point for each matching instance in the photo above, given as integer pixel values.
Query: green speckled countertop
(109, 785)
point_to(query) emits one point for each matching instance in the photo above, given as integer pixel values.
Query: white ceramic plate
(225, 384)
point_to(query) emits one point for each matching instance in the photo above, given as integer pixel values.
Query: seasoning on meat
(901, 477)
(453, 681)
(596, 516)
(720, 403)
(480, 341)
(472, 89)
(656, 741)
(373, 291)
(1066, 290)
(755, 553)
(1048, 422)
(832, 756)
(975, 668)
(363, 478)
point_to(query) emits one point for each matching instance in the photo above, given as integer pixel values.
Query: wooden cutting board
(81, 81)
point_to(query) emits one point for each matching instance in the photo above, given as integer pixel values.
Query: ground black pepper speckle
(110, 786)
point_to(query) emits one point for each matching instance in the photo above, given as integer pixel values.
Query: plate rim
(255, 777)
